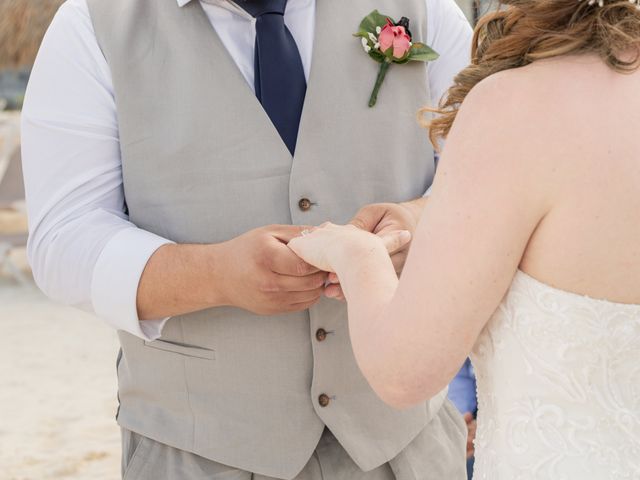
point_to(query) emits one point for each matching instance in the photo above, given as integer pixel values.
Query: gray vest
(203, 164)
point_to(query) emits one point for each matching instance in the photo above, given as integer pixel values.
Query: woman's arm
(491, 191)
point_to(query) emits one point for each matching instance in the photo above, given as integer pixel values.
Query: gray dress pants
(437, 453)
(146, 459)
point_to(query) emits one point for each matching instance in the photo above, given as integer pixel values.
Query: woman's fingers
(334, 291)
(395, 241)
(311, 249)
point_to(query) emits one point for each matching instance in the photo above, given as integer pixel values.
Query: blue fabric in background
(462, 390)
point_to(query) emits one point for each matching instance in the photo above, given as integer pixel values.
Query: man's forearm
(180, 279)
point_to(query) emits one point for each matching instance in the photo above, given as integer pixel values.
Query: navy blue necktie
(280, 83)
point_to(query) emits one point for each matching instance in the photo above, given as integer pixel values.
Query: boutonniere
(388, 42)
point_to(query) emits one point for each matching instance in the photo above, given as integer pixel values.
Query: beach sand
(57, 389)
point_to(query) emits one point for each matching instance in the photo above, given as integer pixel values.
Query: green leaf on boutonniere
(422, 53)
(368, 27)
(377, 56)
(371, 22)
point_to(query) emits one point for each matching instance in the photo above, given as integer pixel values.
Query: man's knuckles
(274, 283)
(270, 284)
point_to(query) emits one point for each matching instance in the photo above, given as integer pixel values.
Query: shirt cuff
(116, 276)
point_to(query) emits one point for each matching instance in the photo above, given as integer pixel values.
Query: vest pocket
(182, 349)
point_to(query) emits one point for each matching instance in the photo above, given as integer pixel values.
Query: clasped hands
(261, 263)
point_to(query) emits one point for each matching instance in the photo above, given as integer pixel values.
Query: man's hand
(255, 271)
(471, 436)
(264, 276)
(383, 219)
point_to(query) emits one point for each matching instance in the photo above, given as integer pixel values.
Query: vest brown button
(304, 204)
(324, 400)
(321, 335)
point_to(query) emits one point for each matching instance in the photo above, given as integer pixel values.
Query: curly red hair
(523, 31)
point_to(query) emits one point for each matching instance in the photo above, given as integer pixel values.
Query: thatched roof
(22, 26)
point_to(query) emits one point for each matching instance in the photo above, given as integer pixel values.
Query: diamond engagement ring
(305, 232)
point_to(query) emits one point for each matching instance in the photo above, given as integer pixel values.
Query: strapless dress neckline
(570, 294)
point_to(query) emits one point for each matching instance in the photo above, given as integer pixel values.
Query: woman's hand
(330, 247)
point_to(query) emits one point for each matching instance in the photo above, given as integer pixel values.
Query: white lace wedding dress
(558, 387)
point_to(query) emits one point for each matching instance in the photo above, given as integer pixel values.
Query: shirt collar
(182, 3)
(226, 4)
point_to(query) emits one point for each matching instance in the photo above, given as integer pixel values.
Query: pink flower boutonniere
(388, 42)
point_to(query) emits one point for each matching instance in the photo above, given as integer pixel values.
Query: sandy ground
(57, 390)
(12, 222)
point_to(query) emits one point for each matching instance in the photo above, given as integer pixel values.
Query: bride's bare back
(587, 118)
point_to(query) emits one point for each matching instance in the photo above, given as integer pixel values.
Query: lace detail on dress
(558, 387)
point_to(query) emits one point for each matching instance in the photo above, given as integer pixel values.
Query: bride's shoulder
(543, 84)
(518, 116)
(502, 102)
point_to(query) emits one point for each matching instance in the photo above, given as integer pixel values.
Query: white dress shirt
(83, 249)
